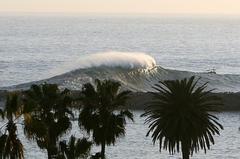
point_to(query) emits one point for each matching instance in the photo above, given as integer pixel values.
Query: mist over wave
(136, 71)
(118, 59)
(112, 59)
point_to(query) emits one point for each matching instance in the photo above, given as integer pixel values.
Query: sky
(123, 6)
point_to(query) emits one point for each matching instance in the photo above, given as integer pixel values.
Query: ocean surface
(138, 52)
(135, 145)
(34, 48)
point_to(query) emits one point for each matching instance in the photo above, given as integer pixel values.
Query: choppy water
(39, 47)
(136, 146)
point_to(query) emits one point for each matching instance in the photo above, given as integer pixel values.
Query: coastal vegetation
(10, 145)
(179, 117)
(74, 149)
(46, 115)
(103, 112)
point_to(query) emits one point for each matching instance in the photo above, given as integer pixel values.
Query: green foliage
(10, 145)
(13, 106)
(46, 115)
(3, 139)
(102, 112)
(180, 116)
(74, 149)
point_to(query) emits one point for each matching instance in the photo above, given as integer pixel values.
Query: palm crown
(74, 149)
(102, 113)
(180, 116)
(10, 145)
(46, 115)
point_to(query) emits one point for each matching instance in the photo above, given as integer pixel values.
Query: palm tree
(180, 116)
(74, 149)
(10, 146)
(102, 112)
(46, 115)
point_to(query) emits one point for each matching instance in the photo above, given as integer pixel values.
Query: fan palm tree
(10, 146)
(46, 115)
(102, 112)
(74, 149)
(180, 116)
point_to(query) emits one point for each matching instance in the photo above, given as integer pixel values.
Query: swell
(135, 71)
(137, 79)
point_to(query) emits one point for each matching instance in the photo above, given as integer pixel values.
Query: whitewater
(135, 71)
(137, 51)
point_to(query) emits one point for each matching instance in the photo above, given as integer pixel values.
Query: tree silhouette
(74, 149)
(102, 112)
(10, 146)
(180, 116)
(46, 115)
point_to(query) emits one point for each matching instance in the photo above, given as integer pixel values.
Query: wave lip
(118, 59)
(135, 71)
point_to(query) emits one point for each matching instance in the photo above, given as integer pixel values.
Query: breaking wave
(118, 59)
(136, 71)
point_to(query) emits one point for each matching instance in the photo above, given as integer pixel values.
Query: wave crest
(136, 71)
(118, 59)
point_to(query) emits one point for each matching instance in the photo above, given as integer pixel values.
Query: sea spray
(136, 71)
(118, 59)
(127, 60)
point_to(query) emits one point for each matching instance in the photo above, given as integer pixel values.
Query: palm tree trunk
(12, 156)
(185, 151)
(185, 155)
(49, 153)
(51, 149)
(103, 149)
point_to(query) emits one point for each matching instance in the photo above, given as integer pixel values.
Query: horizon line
(55, 13)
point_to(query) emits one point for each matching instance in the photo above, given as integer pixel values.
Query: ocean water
(33, 48)
(137, 51)
(135, 145)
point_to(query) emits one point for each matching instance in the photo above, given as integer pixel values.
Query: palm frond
(180, 114)
(98, 116)
(47, 115)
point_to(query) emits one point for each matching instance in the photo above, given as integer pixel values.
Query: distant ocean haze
(39, 47)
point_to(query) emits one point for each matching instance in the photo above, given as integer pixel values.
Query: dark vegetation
(179, 117)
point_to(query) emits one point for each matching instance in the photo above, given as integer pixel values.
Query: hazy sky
(123, 6)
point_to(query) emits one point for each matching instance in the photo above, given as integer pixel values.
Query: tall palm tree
(74, 149)
(180, 116)
(10, 146)
(46, 115)
(103, 112)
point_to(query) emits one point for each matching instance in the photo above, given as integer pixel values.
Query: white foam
(118, 59)
(128, 60)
